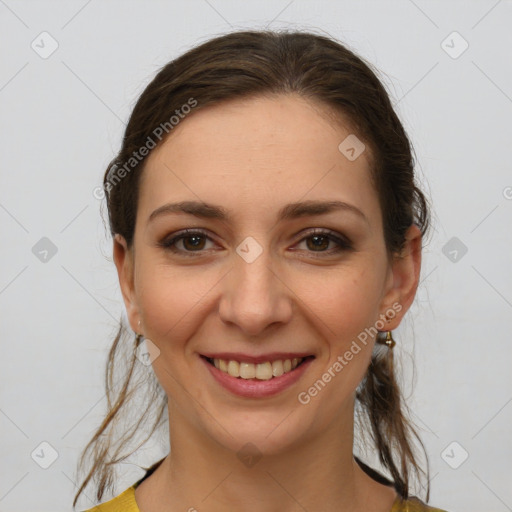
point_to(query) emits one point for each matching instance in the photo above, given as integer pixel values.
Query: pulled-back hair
(243, 65)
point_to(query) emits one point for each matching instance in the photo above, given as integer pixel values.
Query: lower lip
(255, 388)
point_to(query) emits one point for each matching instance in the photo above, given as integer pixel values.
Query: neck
(200, 474)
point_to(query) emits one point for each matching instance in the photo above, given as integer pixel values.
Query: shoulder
(125, 502)
(413, 504)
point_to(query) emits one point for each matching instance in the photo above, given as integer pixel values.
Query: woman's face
(278, 276)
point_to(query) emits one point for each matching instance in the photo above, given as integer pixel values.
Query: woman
(267, 236)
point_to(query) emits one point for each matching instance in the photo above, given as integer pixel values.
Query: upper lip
(246, 358)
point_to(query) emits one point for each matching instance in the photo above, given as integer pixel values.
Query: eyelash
(343, 244)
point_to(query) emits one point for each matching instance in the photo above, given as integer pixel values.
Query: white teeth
(234, 369)
(277, 368)
(260, 371)
(264, 371)
(247, 371)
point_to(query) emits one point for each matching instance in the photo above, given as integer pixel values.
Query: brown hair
(246, 64)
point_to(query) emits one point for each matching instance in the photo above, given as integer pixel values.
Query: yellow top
(125, 502)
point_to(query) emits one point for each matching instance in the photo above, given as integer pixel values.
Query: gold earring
(388, 340)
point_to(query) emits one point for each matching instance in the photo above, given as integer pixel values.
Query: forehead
(254, 153)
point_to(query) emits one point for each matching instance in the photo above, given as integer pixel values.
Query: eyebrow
(288, 212)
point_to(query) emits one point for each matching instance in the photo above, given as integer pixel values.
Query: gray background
(62, 121)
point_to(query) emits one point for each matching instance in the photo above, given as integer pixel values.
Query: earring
(138, 337)
(387, 340)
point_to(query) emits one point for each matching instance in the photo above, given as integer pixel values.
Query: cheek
(172, 301)
(345, 306)
(344, 302)
(172, 307)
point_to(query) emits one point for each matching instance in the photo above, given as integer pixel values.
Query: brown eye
(191, 242)
(318, 241)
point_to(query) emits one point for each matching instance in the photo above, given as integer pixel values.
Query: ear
(123, 259)
(403, 279)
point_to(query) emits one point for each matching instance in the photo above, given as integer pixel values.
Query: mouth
(261, 371)
(259, 378)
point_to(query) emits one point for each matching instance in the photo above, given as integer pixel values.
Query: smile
(262, 377)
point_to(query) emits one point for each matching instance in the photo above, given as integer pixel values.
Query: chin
(264, 432)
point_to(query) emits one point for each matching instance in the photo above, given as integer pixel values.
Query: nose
(255, 296)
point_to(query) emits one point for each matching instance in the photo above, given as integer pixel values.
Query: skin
(252, 157)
